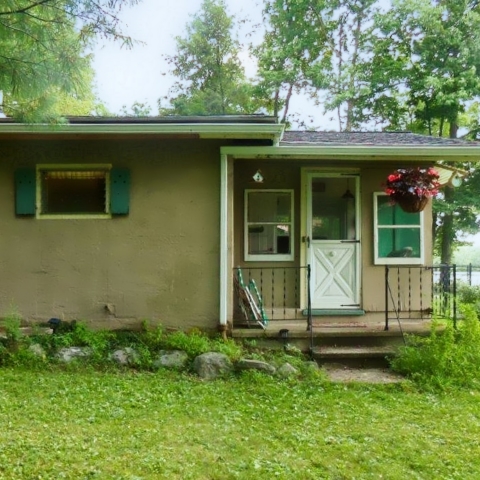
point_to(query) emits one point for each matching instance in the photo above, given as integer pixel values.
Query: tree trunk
(448, 232)
(453, 129)
(287, 102)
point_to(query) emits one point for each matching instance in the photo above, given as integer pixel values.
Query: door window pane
(333, 209)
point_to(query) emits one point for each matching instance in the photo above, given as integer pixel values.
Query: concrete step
(347, 352)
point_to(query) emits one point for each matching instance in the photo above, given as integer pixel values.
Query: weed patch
(449, 358)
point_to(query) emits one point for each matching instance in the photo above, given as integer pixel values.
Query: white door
(332, 241)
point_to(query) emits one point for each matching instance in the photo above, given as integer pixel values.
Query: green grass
(79, 424)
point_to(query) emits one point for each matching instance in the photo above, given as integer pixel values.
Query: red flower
(421, 182)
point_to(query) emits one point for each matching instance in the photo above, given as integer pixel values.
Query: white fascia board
(203, 130)
(409, 153)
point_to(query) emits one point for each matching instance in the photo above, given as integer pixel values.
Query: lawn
(90, 425)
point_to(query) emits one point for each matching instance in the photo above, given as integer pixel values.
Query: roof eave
(411, 153)
(202, 130)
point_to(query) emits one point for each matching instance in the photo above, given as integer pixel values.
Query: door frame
(307, 174)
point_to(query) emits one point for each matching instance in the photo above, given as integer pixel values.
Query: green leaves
(44, 70)
(211, 78)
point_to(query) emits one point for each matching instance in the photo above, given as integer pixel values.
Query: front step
(346, 352)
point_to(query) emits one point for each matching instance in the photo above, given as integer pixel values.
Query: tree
(42, 51)
(345, 75)
(437, 47)
(296, 43)
(211, 76)
(323, 48)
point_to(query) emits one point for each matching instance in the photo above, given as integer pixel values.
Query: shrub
(447, 358)
(195, 343)
(469, 295)
(79, 335)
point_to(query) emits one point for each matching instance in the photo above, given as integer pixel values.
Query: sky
(142, 74)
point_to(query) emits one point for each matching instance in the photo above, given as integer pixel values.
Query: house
(117, 220)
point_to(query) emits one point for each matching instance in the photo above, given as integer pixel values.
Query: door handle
(349, 241)
(306, 240)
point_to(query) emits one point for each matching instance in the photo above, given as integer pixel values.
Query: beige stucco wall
(287, 174)
(159, 263)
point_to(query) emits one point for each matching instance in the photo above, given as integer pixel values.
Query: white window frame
(396, 260)
(76, 167)
(274, 257)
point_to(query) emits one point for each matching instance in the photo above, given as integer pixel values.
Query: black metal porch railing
(417, 293)
(264, 294)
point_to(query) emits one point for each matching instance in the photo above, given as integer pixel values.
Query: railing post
(309, 300)
(454, 272)
(309, 307)
(386, 297)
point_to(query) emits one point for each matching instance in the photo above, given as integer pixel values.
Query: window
(72, 191)
(398, 235)
(269, 225)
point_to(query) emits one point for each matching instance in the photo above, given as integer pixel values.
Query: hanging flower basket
(410, 203)
(411, 188)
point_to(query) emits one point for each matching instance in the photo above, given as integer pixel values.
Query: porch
(281, 313)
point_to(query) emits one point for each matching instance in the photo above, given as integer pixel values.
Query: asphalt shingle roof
(292, 137)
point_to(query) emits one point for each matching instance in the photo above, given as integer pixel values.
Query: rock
(37, 350)
(68, 354)
(247, 364)
(292, 350)
(212, 365)
(125, 356)
(312, 365)
(287, 370)
(176, 359)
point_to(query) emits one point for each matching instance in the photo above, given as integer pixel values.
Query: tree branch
(26, 9)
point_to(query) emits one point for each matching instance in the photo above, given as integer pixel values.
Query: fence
(469, 274)
(416, 293)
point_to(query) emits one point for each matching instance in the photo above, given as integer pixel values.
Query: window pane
(268, 239)
(389, 214)
(269, 207)
(399, 242)
(74, 192)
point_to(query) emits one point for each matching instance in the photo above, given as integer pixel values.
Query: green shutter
(119, 191)
(25, 191)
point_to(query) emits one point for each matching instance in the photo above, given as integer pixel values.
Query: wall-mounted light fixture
(258, 177)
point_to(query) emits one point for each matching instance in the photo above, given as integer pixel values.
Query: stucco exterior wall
(374, 275)
(159, 263)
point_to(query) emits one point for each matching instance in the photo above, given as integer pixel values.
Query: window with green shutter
(72, 191)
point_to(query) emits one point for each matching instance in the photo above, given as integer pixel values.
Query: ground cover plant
(94, 419)
(448, 358)
(141, 425)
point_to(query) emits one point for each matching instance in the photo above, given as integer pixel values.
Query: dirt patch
(343, 373)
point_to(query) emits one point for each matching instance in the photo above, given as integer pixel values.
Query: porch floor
(331, 328)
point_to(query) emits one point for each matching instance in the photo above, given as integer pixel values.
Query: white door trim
(306, 175)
